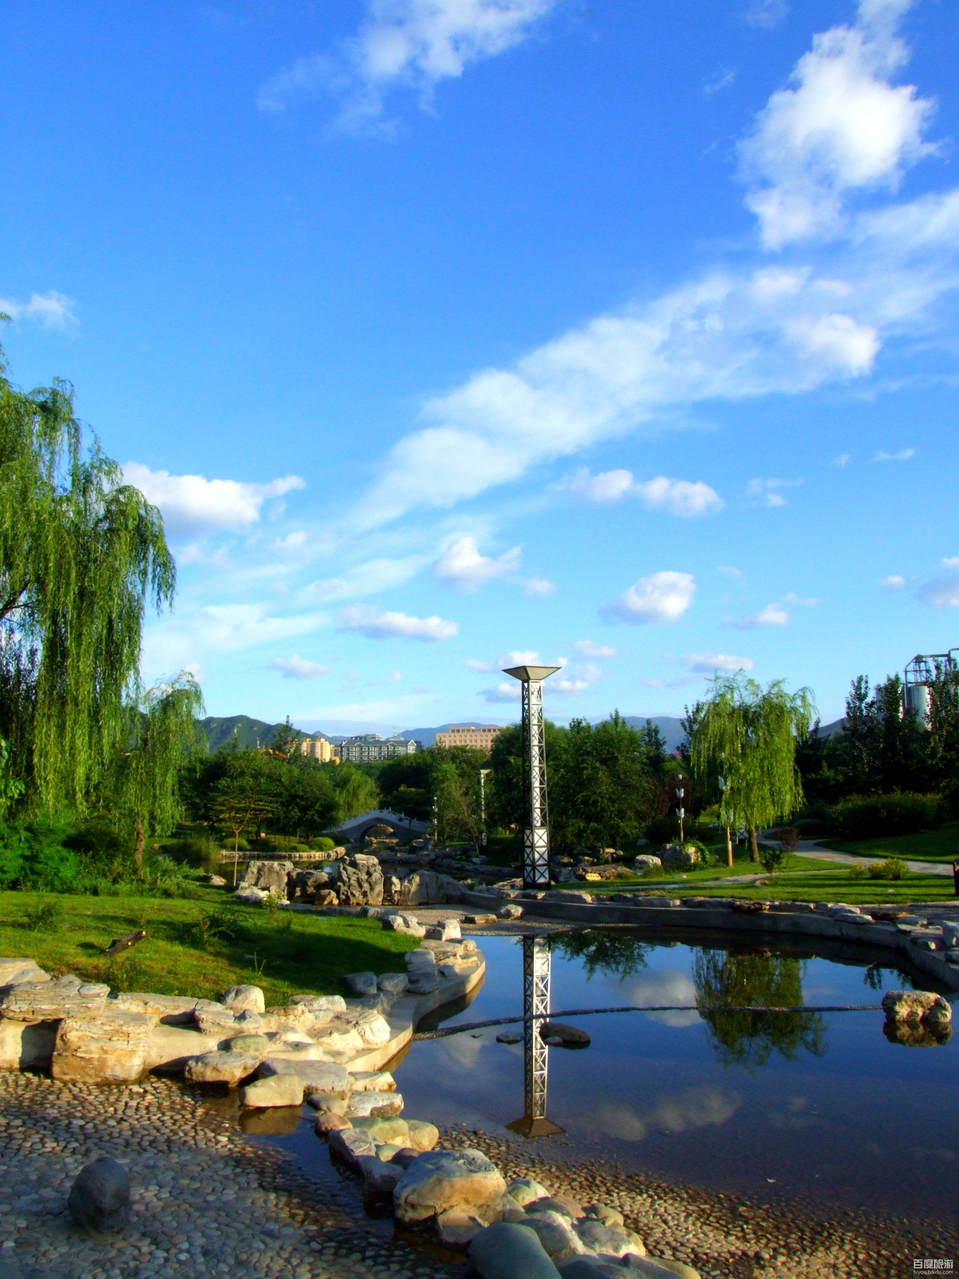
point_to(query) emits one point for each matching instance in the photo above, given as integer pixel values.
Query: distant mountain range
(248, 733)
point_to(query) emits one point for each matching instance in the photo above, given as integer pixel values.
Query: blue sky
(446, 331)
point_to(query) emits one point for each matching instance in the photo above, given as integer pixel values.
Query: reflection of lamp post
(536, 962)
(535, 832)
(483, 774)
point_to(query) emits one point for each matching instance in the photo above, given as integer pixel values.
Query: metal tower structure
(919, 674)
(536, 966)
(535, 830)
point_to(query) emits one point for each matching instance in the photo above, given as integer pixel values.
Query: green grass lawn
(198, 946)
(940, 845)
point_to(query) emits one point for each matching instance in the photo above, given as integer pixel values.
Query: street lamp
(535, 831)
(680, 792)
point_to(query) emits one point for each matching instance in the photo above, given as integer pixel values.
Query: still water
(818, 1110)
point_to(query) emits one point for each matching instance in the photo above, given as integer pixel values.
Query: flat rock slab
(220, 1068)
(314, 1076)
(15, 971)
(273, 1090)
(102, 1044)
(375, 1104)
(50, 1000)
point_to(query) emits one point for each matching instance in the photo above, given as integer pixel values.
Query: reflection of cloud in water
(697, 1107)
(662, 988)
(796, 1115)
(460, 1052)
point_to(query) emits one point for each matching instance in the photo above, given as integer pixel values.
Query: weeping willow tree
(81, 555)
(141, 791)
(742, 741)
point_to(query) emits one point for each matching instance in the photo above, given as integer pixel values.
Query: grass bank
(198, 946)
(939, 845)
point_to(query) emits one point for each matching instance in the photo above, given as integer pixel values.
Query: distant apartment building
(479, 738)
(370, 747)
(318, 748)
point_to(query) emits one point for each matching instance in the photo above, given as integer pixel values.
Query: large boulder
(680, 856)
(273, 1090)
(45, 1000)
(505, 1250)
(646, 864)
(100, 1196)
(441, 1179)
(220, 1068)
(360, 881)
(915, 1006)
(269, 877)
(243, 999)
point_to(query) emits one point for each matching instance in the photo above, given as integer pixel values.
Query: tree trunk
(753, 844)
(729, 846)
(138, 844)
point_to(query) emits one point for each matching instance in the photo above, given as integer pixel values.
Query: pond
(816, 1110)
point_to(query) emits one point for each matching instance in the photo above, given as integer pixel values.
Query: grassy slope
(283, 952)
(940, 845)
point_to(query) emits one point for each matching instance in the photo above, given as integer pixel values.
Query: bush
(771, 858)
(104, 852)
(888, 868)
(895, 813)
(45, 914)
(859, 871)
(33, 856)
(322, 843)
(705, 857)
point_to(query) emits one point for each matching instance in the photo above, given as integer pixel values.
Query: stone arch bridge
(356, 828)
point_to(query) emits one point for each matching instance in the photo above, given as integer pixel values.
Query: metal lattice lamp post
(535, 831)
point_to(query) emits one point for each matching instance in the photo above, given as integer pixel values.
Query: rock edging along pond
(928, 946)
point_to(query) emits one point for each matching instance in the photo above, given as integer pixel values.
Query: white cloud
(903, 455)
(895, 582)
(661, 597)
(766, 13)
(368, 578)
(708, 663)
(587, 648)
(520, 657)
(677, 497)
(803, 601)
(52, 309)
(383, 625)
(536, 587)
(842, 460)
(841, 127)
(722, 81)
(943, 592)
(474, 665)
(175, 642)
(463, 567)
(504, 692)
(950, 561)
(771, 615)
(404, 44)
(768, 492)
(729, 570)
(291, 544)
(838, 340)
(297, 667)
(575, 680)
(192, 504)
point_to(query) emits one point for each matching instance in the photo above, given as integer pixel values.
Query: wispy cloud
(842, 460)
(894, 582)
(902, 455)
(378, 624)
(297, 667)
(409, 45)
(52, 309)
(709, 663)
(942, 591)
(661, 597)
(192, 504)
(587, 648)
(765, 13)
(771, 615)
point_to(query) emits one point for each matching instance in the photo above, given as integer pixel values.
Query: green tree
(356, 792)
(141, 792)
(601, 794)
(743, 744)
(81, 554)
(943, 745)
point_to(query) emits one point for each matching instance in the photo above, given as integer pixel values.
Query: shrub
(771, 858)
(895, 813)
(12, 848)
(322, 843)
(104, 852)
(888, 868)
(45, 914)
(704, 853)
(33, 856)
(858, 871)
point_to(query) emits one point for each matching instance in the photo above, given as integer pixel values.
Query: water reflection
(763, 979)
(537, 962)
(616, 954)
(701, 1106)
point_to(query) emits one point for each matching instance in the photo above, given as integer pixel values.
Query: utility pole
(535, 831)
